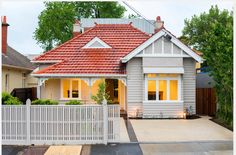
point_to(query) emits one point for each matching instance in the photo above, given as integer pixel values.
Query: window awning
(177, 70)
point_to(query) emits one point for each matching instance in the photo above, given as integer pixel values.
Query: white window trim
(71, 98)
(157, 78)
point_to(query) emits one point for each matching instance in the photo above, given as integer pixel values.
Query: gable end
(96, 43)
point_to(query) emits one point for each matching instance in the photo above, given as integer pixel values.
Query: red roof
(123, 38)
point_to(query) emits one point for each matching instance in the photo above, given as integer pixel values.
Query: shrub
(44, 102)
(101, 94)
(8, 99)
(73, 102)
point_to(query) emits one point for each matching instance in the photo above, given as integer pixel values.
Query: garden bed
(221, 123)
(193, 117)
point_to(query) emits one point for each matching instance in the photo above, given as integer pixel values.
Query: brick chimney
(76, 28)
(4, 34)
(158, 24)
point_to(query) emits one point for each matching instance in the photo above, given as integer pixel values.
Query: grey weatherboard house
(160, 74)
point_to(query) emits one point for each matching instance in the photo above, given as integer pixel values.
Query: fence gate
(60, 124)
(205, 101)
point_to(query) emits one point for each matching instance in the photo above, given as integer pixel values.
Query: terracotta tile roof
(123, 38)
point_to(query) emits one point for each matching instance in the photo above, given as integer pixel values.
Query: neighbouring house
(148, 75)
(16, 68)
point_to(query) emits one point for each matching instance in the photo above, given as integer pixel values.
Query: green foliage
(44, 102)
(7, 99)
(73, 102)
(55, 24)
(212, 34)
(101, 94)
(133, 16)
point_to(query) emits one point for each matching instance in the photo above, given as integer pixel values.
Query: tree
(56, 21)
(101, 94)
(212, 34)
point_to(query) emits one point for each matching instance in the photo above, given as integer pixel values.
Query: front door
(116, 90)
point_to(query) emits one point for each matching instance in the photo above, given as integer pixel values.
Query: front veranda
(65, 89)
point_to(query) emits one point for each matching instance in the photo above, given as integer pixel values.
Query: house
(16, 68)
(150, 76)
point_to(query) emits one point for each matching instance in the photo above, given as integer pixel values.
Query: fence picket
(59, 124)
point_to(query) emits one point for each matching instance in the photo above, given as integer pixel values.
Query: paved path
(64, 150)
(179, 130)
(191, 148)
(198, 148)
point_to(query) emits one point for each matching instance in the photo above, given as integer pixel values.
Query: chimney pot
(76, 28)
(4, 35)
(158, 24)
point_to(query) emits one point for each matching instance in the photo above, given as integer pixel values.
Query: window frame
(79, 89)
(7, 78)
(168, 79)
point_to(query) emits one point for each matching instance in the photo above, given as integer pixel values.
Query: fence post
(28, 103)
(105, 121)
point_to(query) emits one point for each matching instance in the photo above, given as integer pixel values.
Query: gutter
(17, 67)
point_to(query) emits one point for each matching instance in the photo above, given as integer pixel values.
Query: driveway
(179, 130)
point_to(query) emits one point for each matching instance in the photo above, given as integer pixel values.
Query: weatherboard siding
(162, 62)
(135, 82)
(157, 109)
(189, 83)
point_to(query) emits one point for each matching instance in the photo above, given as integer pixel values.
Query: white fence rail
(60, 124)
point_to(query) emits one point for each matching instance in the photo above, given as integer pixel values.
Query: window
(151, 90)
(173, 89)
(75, 89)
(151, 75)
(163, 87)
(7, 82)
(71, 88)
(23, 80)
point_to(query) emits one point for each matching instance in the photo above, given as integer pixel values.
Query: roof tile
(123, 38)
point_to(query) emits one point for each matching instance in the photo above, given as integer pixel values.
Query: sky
(23, 17)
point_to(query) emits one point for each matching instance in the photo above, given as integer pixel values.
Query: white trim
(172, 49)
(184, 47)
(162, 46)
(123, 80)
(179, 70)
(163, 55)
(96, 39)
(157, 78)
(168, 90)
(154, 38)
(142, 46)
(41, 81)
(153, 48)
(179, 88)
(46, 61)
(162, 101)
(145, 87)
(79, 75)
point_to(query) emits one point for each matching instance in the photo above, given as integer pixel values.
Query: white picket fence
(60, 124)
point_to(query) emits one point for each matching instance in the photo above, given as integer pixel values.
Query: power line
(137, 12)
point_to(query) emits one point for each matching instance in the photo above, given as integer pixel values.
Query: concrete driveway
(180, 130)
